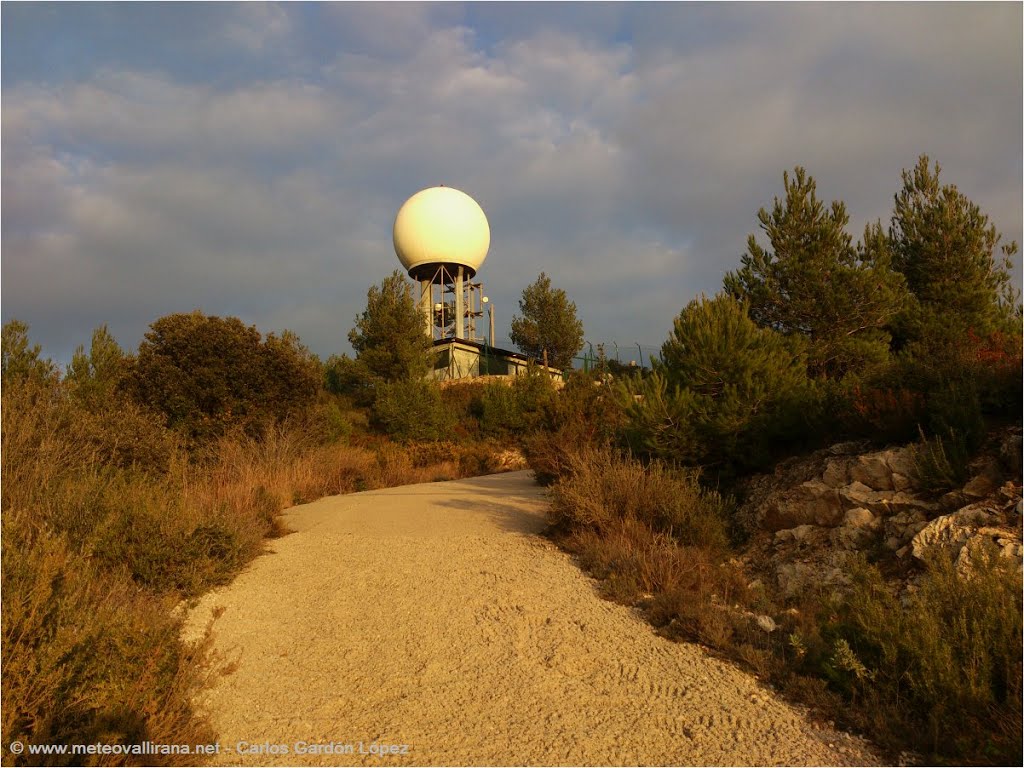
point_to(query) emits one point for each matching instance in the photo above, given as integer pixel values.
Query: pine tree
(816, 284)
(93, 377)
(947, 250)
(723, 390)
(548, 326)
(388, 338)
(22, 360)
(716, 350)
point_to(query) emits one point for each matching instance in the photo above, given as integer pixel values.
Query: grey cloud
(629, 168)
(854, 93)
(127, 113)
(256, 26)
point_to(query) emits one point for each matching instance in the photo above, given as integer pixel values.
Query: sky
(248, 159)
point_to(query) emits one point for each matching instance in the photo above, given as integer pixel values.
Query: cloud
(138, 116)
(851, 95)
(257, 26)
(624, 150)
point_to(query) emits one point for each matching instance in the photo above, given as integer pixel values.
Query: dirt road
(431, 625)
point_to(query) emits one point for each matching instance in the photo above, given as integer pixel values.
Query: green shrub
(941, 463)
(941, 670)
(19, 359)
(660, 421)
(515, 407)
(209, 375)
(93, 378)
(335, 423)
(388, 336)
(954, 411)
(411, 410)
(589, 404)
(881, 413)
(998, 362)
(534, 390)
(500, 412)
(153, 544)
(814, 283)
(727, 393)
(463, 401)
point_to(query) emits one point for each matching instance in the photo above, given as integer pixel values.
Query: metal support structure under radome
(460, 307)
(449, 302)
(427, 306)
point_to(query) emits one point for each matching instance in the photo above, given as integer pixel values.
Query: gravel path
(431, 622)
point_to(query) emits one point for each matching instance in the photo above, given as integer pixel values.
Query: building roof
(487, 349)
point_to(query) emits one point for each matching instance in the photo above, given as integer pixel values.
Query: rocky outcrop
(811, 514)
(983, 527)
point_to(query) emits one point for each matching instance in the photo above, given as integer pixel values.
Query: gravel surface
(431, 625)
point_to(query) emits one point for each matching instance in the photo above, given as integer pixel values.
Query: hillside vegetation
(133, 481)
(909, 336)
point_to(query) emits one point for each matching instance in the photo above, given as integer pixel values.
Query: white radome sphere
(441, 225)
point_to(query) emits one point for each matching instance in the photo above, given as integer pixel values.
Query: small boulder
(796, 577)
(835, 474)
(953, 501)
(907, 517)
(856, 494)
(908, 502)
(902, 527)
(1012, 550)
(902, 482)
(858, 517)
(847, 448)
(902, 461)
(810, 503)
(913, 529)
(801, 532)
(986, 475)
(950, 532)
(981, 486)
(872, 470)
(849, 538)
(797, 534)
(1009, 493)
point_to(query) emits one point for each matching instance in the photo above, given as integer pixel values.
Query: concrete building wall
(455, 360)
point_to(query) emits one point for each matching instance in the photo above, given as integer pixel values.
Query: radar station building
(441, 237)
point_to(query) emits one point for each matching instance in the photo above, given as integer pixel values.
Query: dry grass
(938, 672)
(108, 521)
(654, 537)
(599, 487)
(89, 657)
